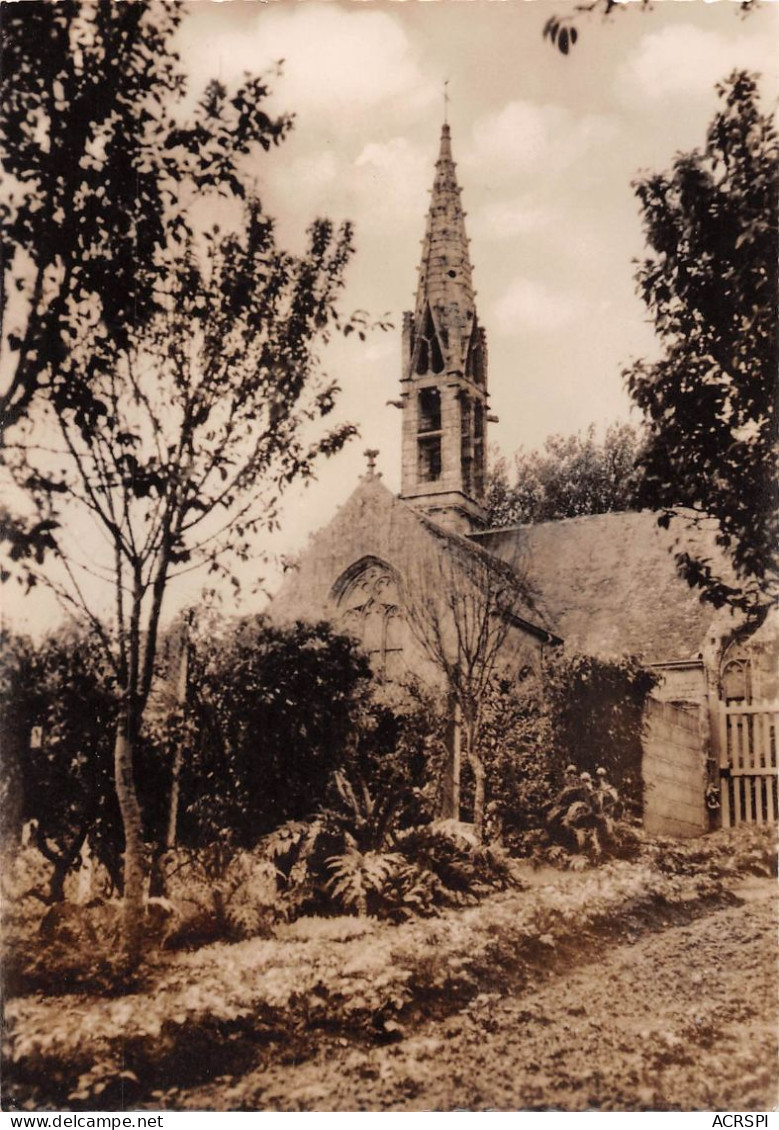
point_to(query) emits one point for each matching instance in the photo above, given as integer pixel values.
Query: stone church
(604, 585)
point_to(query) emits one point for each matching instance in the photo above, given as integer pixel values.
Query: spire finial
(446, 102)
(371, 454)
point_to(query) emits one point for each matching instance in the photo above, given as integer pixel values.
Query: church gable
(376, 553)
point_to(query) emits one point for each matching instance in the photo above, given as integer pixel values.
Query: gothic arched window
(369, 609)
(736, 674)
(429, 355)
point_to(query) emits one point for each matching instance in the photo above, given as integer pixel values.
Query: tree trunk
(478, 796)
(175, 787)
(134, 850)
(450, 805)
(61, 861)
(470, 742)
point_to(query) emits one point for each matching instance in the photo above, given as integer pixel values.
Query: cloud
(526, 136)
(339, 64)
(686, 61)
(394, 176)
(504, 219)
(531, 306)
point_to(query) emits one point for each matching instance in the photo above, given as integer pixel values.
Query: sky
(546, 146)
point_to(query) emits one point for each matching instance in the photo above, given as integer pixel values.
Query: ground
(678, 1019)
(643, 984)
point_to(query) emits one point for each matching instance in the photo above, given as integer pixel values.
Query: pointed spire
(445, 368)
(445, 284)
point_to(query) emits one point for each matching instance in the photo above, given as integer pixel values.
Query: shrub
(356, 858)
(517, 740)
(218, 894)
(595, 709)
(587, 819)
(272, 712)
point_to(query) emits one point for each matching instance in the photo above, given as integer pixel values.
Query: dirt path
(680, 1019)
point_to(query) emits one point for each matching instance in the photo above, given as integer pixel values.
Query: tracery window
(736, 674)
(369, 609)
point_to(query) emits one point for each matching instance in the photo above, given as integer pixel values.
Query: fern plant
(353, 859)
(366, 820)
(359, 880)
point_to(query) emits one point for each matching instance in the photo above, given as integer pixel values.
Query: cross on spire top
(446, 101)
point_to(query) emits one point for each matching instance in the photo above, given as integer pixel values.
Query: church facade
(604, 585)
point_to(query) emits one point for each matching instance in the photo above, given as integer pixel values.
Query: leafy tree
(272, 713)
(710, 284)
(98, 169)
(570, 477)
(56, 718)
(175, 433)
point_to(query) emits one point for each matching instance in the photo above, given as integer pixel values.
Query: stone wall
(375, 528)
(674, 768)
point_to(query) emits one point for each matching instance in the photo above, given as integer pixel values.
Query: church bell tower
(444, 382)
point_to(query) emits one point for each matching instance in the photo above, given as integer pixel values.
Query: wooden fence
(747, 738)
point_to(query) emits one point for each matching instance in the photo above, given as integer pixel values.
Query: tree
(710, 284)
(99, 172)
(97, 169)
(570, 477)
(563, 32)
(56, 719)
(272, 713)
(462, 606)
(175, 436)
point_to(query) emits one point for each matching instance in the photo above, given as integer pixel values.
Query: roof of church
(527, 610)
(607, 583)
(445, 272)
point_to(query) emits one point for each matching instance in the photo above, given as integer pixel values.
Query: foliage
(749, 849)
(580, 711)
(401, 750)
(272, 713)
(521, 770)
(57, 713)
(710, 284)
(217, 894)
(357, 857)
(359, 976)
(563, 32)
(595, 709)
(587, 817)
(570, 477)
(184, 391)
(358, 878)
(99, 170)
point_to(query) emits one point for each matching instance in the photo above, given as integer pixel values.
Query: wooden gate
(747, 762)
